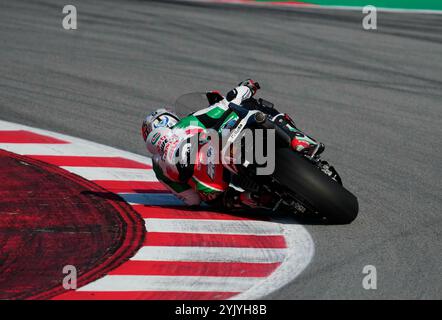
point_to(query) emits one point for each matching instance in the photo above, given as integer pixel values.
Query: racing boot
(300, 142)
(234, 199)
(253, 200)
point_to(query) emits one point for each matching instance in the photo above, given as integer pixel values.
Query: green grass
(397, 4)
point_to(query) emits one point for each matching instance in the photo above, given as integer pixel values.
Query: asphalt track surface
(373, 97)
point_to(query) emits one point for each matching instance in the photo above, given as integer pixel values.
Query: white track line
(210, 254)
(382, 9)
(307, 5)
(117, 174)
(55, 149)
(244, 227)
(171, 283)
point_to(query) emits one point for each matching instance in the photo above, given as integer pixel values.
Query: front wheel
(314, 188)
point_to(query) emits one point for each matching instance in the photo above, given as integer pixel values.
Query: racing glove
(240, 93)
(252, 85)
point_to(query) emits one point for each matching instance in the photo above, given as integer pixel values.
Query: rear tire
(327, 197)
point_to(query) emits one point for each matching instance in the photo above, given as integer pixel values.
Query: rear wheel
(314, 188)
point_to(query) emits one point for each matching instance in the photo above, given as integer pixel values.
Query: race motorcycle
(302, 183)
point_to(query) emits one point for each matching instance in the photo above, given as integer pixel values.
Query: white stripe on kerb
(119, 174)
(152, 199)
(246, 227)
(300, 251)
(171, 283)
(210, 254)
(54, 149)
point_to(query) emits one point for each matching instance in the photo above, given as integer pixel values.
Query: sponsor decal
(236, 131)
(155, 138)
(211, 163)
(163, 145)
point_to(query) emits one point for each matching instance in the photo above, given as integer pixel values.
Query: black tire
(327, 197)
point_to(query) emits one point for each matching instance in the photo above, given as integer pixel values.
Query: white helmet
(158, 119)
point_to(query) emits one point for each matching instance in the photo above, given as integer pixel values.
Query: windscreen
(190, 102)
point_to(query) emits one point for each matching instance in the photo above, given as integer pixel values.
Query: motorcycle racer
(165, 134)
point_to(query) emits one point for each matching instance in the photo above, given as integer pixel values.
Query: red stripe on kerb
(208, 269)
(182, 213)
(132, 186)
(23, 136)
(79, 161)
(145, 295)
(213, 240)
